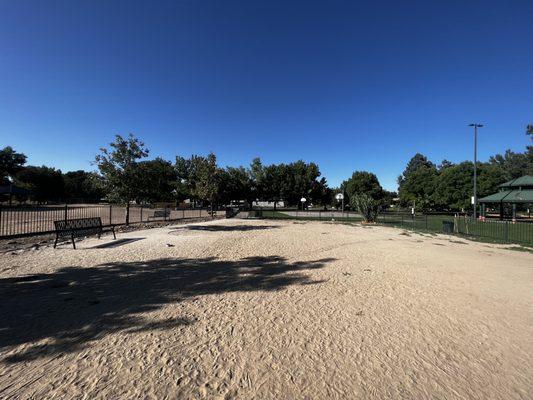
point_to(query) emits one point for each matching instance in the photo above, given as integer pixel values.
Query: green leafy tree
(489, 177)
(389, 198)
(185, 184)
(10, 163)
(44, 183)
(207, 179)
(529, 151)
(362, 182)
(321, 193)
(445, 164)
(418, 187)
(157, 181)
(235, 184)
(83, 185)
(415, 163)
(272, 183)
(297, 180)
(513, 165)
(258, 185)
(119, 167)
(454, 187)
(287, 182)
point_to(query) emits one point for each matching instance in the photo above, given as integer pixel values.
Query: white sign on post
(473, 200)
(303, 199)
(339, 196)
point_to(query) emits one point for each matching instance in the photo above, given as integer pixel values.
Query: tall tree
(418, 187)
(321, 193)
(257, 179)
(83, 185)
(297, 180)
(514, 165)
(10, 163)
(454, 187)
(362, 182)
(445, 164)
(235, 184)
(158, 181)
(119, 167)
(417, 182)
(416, 162)
(207, 184)
(45, 183)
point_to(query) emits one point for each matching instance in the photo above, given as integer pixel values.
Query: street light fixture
(475, 167)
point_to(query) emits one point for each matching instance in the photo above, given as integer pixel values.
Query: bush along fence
(19, 221)
(488, 229)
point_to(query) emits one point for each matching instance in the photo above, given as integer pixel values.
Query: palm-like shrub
(366, 205)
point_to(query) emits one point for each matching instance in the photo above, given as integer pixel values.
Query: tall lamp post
(475, 166)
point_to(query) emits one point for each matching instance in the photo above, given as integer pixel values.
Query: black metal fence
(32, 220)
(488, 229)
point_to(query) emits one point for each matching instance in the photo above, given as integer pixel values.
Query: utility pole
(475, 166)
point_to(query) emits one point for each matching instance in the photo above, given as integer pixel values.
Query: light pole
(303, 200)
(340, 197)
(475, 166)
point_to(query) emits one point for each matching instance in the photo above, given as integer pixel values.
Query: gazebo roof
(523, 181)
(12, 189)
(510, 196)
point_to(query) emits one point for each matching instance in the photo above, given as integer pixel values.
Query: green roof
(523, 181)
(510, 196)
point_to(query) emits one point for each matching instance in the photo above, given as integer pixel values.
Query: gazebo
(517, 191)
(10, 190)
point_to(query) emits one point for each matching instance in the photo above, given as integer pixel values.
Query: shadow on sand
(116, 243)
(228, 228)
(74, 306)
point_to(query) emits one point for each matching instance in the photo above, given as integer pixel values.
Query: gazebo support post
(514, 211)
(501, 210)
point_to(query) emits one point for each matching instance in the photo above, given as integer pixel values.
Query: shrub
(367, 206)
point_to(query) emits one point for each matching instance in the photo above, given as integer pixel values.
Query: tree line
(125, 174)
(448, 186)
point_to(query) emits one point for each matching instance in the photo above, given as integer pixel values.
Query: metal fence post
(110, 214)
(142, 212)
(165, 213)
(506, 231)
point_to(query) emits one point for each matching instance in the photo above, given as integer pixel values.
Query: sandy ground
(268, 310)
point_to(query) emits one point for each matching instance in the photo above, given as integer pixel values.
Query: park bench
(80, 227)
(160, 214)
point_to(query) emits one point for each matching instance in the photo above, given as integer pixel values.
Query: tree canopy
(11, 162)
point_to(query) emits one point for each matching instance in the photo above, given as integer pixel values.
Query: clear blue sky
(349, 85)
